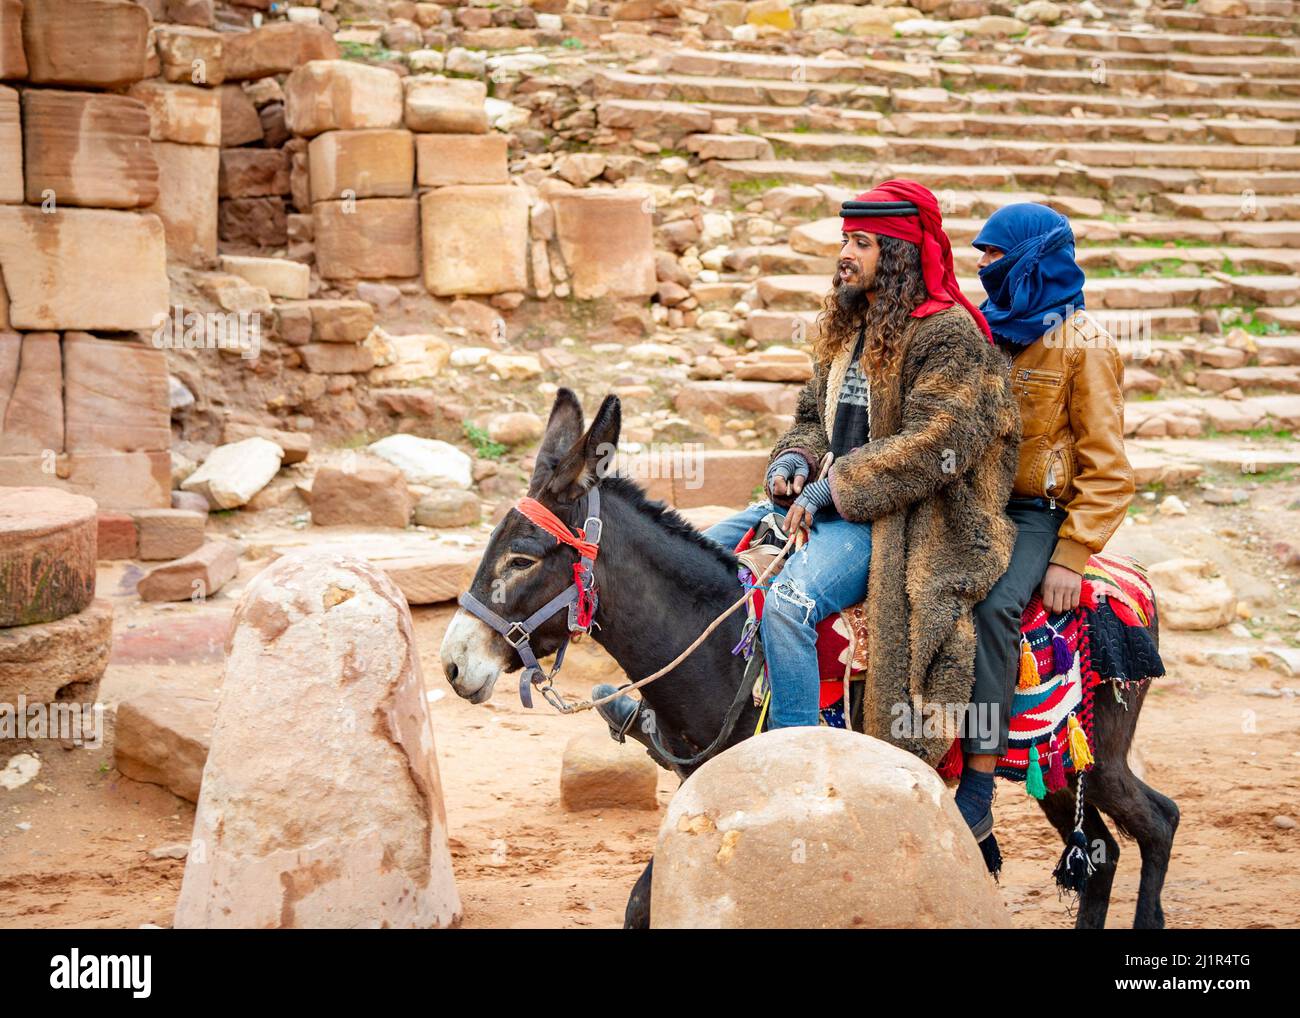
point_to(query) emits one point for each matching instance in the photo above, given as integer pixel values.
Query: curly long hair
(899, 290)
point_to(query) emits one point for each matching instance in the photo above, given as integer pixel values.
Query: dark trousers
(997, 625)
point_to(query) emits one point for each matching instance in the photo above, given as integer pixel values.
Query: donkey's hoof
(618, 713)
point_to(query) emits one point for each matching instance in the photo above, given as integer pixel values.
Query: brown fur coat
(933, 481)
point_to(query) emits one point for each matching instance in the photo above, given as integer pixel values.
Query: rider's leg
(825, 576)
(728, 532)
(997, 657)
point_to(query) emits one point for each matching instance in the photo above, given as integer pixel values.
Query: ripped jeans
(827, 575)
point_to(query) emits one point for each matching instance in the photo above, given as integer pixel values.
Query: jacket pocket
(1041, 394)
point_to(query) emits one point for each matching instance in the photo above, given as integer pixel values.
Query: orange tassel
(1028, 666)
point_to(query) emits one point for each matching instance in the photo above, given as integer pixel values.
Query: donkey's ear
(592, 458)
(563, 433)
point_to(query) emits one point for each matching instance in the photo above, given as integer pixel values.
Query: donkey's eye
(520, 562)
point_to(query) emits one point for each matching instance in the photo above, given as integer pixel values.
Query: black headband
(877, 209)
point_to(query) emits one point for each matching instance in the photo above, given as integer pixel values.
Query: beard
(851, 300)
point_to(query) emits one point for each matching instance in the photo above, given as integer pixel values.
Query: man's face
(855, 272)
(991, 254)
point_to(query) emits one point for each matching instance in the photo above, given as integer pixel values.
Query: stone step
(795, 69)
(1190, 21)
(1139, 82)
(1278, 349)
(704, 88)
(998, 151)
(1222, 207)
(1136, 259)
(1286, 379)
(1063, 58)
(940, 100)
(792, 118)
(1222, 454)
(1201, 43)
(1181, 130)
(1192, 417)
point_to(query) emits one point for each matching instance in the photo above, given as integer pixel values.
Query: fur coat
(933, 481)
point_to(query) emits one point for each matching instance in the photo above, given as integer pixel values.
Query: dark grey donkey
(660, 583)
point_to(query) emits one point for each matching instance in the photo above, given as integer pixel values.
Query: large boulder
(321, 804)
(162, 736)
(360, 492)
(818, 828)
(426, 460)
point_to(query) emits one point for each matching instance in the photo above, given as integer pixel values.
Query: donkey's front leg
(637, 916)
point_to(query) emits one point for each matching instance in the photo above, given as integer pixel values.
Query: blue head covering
(1036, 283)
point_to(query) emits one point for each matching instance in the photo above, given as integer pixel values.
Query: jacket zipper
(1049, 479)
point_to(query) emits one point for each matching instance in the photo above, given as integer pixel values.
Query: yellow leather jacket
(1070, 385)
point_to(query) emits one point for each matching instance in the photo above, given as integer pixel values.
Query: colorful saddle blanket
(1064, 658)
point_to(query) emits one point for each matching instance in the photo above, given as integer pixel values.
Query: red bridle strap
(556, 527)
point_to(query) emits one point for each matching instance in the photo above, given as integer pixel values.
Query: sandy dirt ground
(75, 841)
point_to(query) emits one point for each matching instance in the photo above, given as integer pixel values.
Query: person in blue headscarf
(1028, 271)
(1073, 483)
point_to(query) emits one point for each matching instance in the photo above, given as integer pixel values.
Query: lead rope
(557, 701)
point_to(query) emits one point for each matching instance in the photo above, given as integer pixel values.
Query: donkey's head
(523, 566)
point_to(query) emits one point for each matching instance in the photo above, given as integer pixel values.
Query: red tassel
(950, 766)
(1056, 772)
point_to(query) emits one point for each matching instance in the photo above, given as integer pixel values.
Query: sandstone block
(599, 773)
(11, 148)
(87, 149)
(198, 575)
(360, 492)
(607, 240)
(168, 533)
(192, 56)
(180, 113)
(445, 105)
(338, 95)
(475, 239)
(162, 736)
(377, 238)
(277, 48)
(461, 159)
(187, 200)
(101, 43)
(31, 393)
(368, 164)
(116, 396)
(58, 278)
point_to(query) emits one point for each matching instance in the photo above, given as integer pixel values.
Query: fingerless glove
(815, 496)
(788, 465)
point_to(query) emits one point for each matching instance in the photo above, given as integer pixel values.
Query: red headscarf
(926, 232)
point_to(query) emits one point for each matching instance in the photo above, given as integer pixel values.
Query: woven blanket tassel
(1028, 666)
(1062, 659)
(1055, 771)
(1080, 754)
(1075, 866)
(1034, 776)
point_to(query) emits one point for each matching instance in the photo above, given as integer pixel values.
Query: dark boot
(618, 714)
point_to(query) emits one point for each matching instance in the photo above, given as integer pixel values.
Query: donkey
(660, 582)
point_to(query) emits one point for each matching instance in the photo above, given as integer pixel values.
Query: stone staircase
(1167, 135)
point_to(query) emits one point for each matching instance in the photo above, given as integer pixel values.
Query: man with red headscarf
(915, 404)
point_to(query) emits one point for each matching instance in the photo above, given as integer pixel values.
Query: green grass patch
(484, 447)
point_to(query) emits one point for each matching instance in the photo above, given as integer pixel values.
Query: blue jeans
(827, 575)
